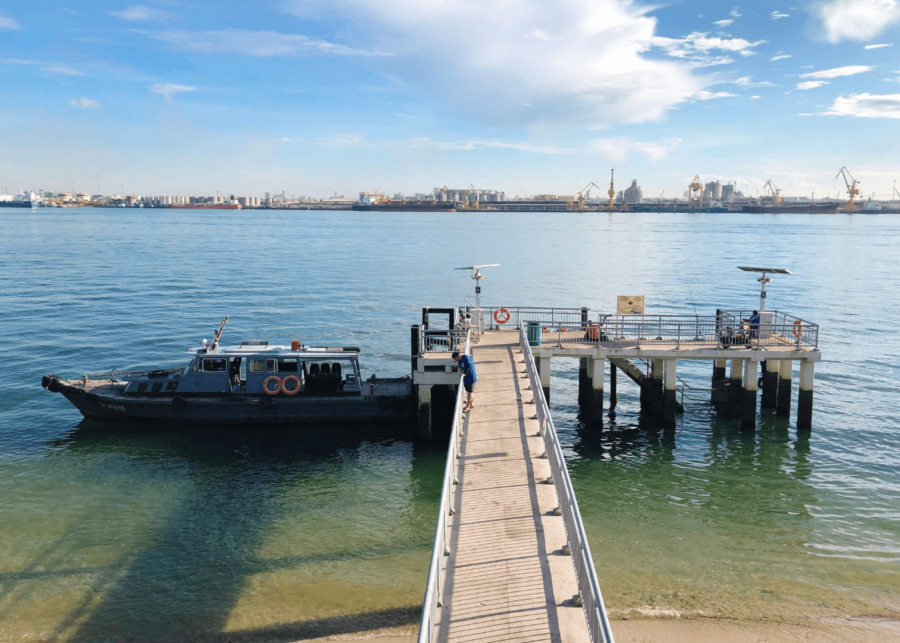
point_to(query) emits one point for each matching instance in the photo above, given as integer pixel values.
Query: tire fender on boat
(285, 389)
(179, 402)
(268, 402)
(278, 388)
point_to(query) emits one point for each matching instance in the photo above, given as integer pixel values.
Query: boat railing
(433, 598)
(588, 584)
(723, 330)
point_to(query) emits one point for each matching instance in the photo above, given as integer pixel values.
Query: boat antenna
(215, 341)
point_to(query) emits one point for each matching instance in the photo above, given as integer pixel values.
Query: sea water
(170, 534)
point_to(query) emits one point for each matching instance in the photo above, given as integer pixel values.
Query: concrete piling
(805, 395)
(424, 412)
(669, 402)
(783, 402)
(612, 386)
(656, 386)
(770, 384)
(584, 381)
(543, 364)
(748, 403)
(596, 393)
(718, 395)
(735, 392)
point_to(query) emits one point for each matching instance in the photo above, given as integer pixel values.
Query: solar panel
(774, 271)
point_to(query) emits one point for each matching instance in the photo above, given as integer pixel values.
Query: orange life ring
(798, 328)
(272, 378)
(501, 312)
(290, 378)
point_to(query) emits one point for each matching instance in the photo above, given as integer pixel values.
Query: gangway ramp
(510, 561)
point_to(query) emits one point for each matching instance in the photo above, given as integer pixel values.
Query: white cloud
(781, 57)
(777, 15)
(881, 46)
(168, 90)
(85, 103)
(723, 23)
(705, 95)
(697, 48)
(734, 13)
(255, 43)
(747, 81)
(754, 97)
(9, 23)
(138, 12)
(63, 70)
(849, 70)
(591, 70)
(812, 84)
(866, 106)
(618, 149)
(856, 19)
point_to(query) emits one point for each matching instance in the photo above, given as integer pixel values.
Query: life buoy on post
(798, 328)
(291, 391)
(501, 315)
(278, 386)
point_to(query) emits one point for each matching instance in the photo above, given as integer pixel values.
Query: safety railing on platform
(588, 585)
(512, 316)
(442, 341)
(723, 330)
(433, 598)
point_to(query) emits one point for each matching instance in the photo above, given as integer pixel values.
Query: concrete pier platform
(507, 576)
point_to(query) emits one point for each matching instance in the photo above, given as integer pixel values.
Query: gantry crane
(468, 191)
(852, 190)
(695, 187)
(584, 193)
(776, 193)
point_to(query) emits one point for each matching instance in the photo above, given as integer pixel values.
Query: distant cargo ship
(366, 204)
(208, 206)
(24, 200)
(793, 208)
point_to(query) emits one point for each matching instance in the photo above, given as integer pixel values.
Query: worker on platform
(467, 368)
(754, 324)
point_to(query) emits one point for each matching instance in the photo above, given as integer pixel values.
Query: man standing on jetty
(467, 368)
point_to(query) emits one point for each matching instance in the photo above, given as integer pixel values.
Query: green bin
(535, 336)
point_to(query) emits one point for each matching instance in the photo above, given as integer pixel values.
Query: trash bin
(535, 333)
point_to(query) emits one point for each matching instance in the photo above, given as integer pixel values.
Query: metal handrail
(518, 314)
(588, 585)
(432, 599)
(442, 341)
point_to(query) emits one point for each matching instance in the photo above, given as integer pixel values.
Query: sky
(317, 97)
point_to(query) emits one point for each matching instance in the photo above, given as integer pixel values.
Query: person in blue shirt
(467, 368)
(754, 323)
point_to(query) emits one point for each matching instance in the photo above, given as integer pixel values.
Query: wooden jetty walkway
(506, 578)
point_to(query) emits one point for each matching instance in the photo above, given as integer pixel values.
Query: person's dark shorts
(469, 386)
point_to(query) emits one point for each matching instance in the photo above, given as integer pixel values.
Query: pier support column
(656, 386)
(735, 389)
(584, 381)
(669, 404)
(718, 382)
(805, 395)
(596, 391)
(748, 404)
(424, 414)
(543, 365)
(783, 403)
(612, 386)
(770, 384)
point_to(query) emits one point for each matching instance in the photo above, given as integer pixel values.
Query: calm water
(168, 534)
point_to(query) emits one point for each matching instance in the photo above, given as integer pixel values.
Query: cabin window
(288, 366)
(142, 387)
(157, 387)
(172, 386)
(214, 365)
(262, 365)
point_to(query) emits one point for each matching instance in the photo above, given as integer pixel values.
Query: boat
(366, 204)
(792, 208)
(253, 383)
(22, 200)
(208, 206)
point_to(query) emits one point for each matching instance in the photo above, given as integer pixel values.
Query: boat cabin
(255, 368)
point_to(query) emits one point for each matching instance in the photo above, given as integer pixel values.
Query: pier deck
(506, 577)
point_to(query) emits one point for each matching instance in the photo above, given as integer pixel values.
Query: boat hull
(390, 401)
(18, 204)
(401, 208)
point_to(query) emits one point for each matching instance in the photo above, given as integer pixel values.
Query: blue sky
(317, 96)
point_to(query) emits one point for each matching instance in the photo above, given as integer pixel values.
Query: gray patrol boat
(253, 383)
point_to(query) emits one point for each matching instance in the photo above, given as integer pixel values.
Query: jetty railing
(519, 314)
(726, 329)
(443, 341)
(588, 585)
(433, 598)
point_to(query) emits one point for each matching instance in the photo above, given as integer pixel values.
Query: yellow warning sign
(630, 304)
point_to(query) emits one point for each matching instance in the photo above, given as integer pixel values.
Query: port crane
(584, 193)
(612, 190)
(695, 189)
(468, 191)
(776, 193)
(852, 190)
